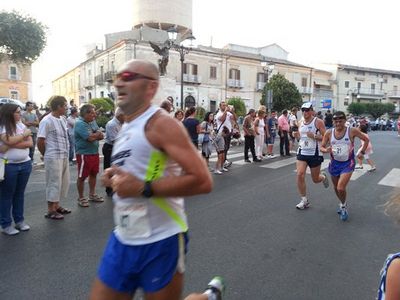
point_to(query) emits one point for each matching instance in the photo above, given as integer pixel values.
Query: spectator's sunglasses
(128, 76)
(305, 109)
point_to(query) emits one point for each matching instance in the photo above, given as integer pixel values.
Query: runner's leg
(102, 292)
(301, 167)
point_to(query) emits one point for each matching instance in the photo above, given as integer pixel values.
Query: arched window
(190, 101)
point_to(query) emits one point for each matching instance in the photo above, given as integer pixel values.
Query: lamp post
(172, 35)
(268, 68)
(352, 92)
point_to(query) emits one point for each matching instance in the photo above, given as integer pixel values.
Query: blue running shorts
(336, 168)
(125, 268)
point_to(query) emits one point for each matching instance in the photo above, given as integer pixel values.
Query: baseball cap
(307, 105)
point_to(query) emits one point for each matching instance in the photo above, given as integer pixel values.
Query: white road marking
(280, 163)
(391, 179)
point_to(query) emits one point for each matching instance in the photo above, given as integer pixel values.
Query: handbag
(3, 162)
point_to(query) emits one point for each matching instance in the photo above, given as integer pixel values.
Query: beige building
(15, 81)
(362, 84)
(210, 74)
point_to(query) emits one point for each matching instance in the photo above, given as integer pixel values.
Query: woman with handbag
(206, 128)
(16, 139)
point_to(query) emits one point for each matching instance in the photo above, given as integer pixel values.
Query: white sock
(342, 205)
(210, 294)
(304, 199)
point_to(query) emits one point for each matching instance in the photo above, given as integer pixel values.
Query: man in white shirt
(225, 119)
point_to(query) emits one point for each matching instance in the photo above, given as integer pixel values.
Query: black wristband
(147, 190)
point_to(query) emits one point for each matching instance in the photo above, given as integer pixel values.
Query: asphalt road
(246, 230)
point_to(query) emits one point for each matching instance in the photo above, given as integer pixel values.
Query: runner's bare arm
(296, 134)
(169, 136)
(321, 127)
(355, 132)
(325, 141)
(392, 280)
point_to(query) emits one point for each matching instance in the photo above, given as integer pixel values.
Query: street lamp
(172, 35)
(268, 68)
(352, 92)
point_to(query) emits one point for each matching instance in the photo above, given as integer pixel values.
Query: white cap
(307, 105)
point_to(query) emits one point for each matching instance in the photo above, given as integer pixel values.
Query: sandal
(63, 211)
(96, 198)
(54, 215)
(83, 202)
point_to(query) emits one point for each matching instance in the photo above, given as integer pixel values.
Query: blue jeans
(12, 190)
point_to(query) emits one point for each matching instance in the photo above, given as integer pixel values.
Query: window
(13, 73)
(261, 77)
(213, 72)
(395, 88)
(190, 69)
(347, 84)
(101, 70)
(101, 94)
(234, 74)
(304, 82)
(359, 85)
(14, 94)
(373, 86)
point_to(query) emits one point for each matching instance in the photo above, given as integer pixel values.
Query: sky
(362, 33)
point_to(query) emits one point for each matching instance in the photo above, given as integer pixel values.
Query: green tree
(285, 94)
(356, 108)
(22, 38)
(238, 104)
(102, 105)
(378, 109)
(200, 113)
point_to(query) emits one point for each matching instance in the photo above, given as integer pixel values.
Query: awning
(321, 82)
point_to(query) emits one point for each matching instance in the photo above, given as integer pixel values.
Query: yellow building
(15, 81)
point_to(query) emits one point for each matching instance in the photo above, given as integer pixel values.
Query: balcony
(109, 76)
(260, 85)
(14, 77)
(368, 92)
(394, 94)
(88, 84)
(189, 78)
(234, 83)
(99, 79)
(305, 90)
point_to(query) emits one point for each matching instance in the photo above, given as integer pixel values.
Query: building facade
(15, 81)
(209, 74)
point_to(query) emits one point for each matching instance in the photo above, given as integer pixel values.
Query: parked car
(13, 101)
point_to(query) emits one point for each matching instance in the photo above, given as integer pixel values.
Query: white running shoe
(303, 204)
(218, 172)
(326, 180)
(272, 156)
(224, 169)
(10, 230)
(22, 226)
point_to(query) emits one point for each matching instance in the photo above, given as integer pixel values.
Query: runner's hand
(126, 185)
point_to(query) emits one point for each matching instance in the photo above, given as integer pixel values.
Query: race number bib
(307, 143)
(132, 220)
(340, 152)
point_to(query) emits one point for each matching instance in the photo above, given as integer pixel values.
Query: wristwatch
(147, 190)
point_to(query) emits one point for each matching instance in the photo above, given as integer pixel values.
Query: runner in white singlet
(310, 133)
(154, 165)
(341, 148)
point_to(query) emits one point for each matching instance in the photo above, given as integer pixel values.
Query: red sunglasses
(130, 76)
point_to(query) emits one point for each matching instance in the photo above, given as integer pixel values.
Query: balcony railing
(234, 83)
(99, 79)
(109, 76)
(192, 78)
(394, 94)
(14, 77)
(367, 92)
(305, 90)
(260, 85)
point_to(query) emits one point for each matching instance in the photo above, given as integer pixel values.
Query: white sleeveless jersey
(308, 146)
(343, 148)
(140, 221)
